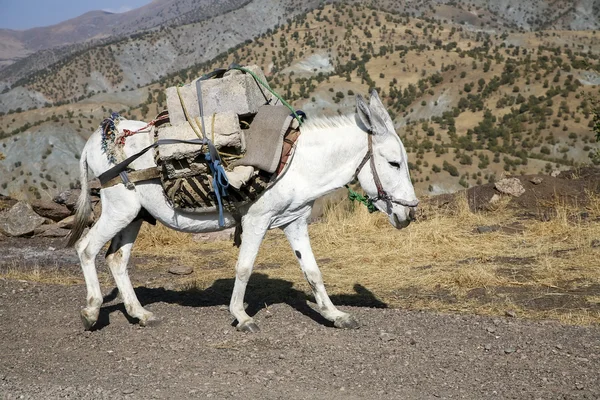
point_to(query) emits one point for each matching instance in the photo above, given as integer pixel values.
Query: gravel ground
(196, 353)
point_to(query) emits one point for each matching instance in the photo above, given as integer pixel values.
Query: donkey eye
(394, 164)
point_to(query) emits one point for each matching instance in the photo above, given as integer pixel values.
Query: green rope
(285, 103)
(352, 195)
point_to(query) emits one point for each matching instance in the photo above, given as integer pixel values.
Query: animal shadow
(261, 291)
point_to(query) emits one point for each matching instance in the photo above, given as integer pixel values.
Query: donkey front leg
(297, 234)
(252, 236)
(117, 258)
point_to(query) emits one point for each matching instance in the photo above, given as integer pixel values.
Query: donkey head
(386, 178)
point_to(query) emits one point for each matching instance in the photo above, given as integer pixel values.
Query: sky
(25, 14)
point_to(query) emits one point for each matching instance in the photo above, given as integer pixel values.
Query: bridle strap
(381, 193)
(362, 164)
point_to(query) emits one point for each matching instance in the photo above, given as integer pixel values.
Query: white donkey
(330, 153)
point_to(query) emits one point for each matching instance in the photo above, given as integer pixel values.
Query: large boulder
(20, 220)
(511, 186)
(49, 209)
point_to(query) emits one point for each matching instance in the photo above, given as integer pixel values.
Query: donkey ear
(374, 97)
(382, 123)
(363, 112)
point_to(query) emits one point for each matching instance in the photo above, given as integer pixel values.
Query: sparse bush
(451, 169)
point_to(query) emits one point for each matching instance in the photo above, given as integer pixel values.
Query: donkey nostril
(412, 213)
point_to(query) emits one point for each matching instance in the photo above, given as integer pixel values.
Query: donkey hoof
(249, 327)
(149, 320)
(88, 318)
(346, 322)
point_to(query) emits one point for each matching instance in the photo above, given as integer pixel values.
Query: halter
(381, 193)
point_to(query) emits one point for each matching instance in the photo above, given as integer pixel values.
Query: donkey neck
(330, 151)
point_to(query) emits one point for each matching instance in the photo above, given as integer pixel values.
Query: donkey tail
(84, 204)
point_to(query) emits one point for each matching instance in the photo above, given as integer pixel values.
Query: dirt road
(196, 353)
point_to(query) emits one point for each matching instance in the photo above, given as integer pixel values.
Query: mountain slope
(138, 60)
(97, 25)
(35, 49)
(471, 104)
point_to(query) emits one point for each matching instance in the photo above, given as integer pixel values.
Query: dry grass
(36, 273)
(548, 270)
(543, 270)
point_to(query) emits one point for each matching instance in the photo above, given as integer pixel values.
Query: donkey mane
(335, 122)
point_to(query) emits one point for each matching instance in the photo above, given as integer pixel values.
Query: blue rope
(220, 183)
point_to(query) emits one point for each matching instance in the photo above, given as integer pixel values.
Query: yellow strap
(187, 116)
(197, 130)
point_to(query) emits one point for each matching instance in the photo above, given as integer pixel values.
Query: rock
(511, 186)
(181, 270)
(536, 180)
(510, 313)
(495, 198)
(20, 220)
(51, 210)
(54, 231)
(68, 198)
(487, 229)
(67, 223)
(509, 350)
(555, 173)
(487, 347)
(208, 237)
(227, 133)
(235, 92)
(490, 329)
(386, 337)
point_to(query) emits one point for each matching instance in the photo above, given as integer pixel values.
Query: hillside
(35, 49)
(471, 103)
(99, 25)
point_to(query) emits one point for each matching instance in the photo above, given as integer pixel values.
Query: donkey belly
(152, 198)
(276, 208)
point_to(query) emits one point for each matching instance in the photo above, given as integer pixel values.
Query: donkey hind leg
(252, 236)
(117, 258)
(109, 224)
(297, 234)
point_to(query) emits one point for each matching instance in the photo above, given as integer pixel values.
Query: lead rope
(355, 196)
